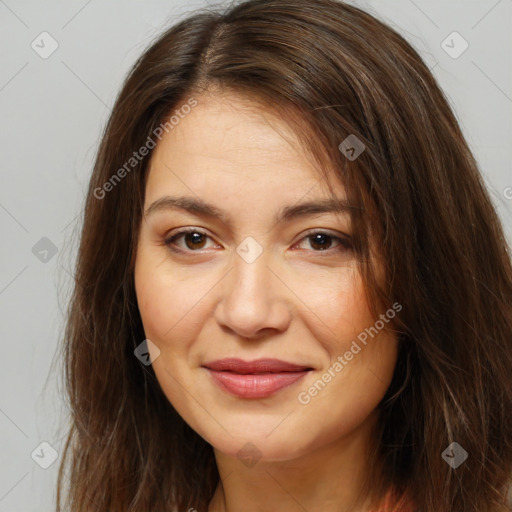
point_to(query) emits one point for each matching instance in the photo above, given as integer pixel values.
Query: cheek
(340, 309)
(359, 358)
(157, 302)
(167, 304)
(166, 301)
(367, 349)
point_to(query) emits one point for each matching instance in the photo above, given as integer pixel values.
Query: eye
(194, 239)
(322, 241)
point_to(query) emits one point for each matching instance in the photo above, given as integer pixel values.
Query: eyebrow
(201, 208)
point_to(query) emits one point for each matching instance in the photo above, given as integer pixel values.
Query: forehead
(231, 142)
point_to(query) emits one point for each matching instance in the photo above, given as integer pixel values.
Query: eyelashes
(319, 241)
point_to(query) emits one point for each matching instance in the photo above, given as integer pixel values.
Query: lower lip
(255, 386)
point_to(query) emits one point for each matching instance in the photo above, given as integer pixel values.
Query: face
(253, 301)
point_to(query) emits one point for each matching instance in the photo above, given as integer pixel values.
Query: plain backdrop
(53, 109)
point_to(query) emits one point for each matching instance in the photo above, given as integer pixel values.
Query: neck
(332, 477)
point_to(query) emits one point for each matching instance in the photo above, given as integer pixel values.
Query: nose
(253, 302)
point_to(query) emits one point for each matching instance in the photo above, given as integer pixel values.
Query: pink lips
(255, 379)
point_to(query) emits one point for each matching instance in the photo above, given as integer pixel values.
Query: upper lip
(257, 366)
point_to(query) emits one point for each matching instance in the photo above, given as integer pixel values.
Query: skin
(295, 302)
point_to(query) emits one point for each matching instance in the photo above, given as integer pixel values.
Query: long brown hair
(331, 70)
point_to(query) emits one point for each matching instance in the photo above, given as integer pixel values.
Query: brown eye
(320, 241)
(194, 239)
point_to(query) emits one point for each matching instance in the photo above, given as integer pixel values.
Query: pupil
(196, 239)
(320, 239)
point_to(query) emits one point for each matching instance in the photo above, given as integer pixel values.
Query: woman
(293, 290)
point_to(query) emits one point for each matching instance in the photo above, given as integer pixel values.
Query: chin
(252, 449)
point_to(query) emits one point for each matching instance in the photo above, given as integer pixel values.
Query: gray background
(53, 111)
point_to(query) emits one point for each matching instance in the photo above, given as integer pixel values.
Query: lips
(255, 379)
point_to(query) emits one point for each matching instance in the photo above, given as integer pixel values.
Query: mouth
(255, 379)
